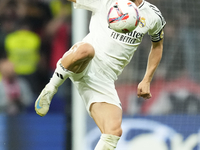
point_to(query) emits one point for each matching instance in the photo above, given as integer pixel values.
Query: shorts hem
(90, 103)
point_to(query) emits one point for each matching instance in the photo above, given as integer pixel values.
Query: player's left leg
(108, 118)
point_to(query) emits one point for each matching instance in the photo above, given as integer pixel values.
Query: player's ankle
(107, 142)
(51, 87)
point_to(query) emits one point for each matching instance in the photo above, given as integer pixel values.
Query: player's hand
(144, 90)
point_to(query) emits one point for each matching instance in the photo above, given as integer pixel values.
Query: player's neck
(137, 2)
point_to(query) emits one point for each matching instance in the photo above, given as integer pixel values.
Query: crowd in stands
(34, 34)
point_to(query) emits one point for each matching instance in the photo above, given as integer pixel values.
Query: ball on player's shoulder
(123, 16)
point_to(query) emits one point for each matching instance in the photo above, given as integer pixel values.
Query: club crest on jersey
(142, 23)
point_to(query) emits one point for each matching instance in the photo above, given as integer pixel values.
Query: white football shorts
(95, 84)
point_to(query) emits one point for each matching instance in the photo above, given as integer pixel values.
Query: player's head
(137, 2)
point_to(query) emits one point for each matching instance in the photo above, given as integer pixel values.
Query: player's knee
(85, 51)
(118, 131)
(114, 129)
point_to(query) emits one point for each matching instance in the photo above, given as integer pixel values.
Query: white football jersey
(113, 49)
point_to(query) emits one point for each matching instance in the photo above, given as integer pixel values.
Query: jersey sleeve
(156, 32)
(90, 5)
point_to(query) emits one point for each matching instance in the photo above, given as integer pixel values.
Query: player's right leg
(108, 118)
(73, 61)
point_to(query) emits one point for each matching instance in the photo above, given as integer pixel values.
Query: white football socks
(60, 75)
(107, 142)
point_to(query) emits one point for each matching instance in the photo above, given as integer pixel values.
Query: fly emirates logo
(128, 38)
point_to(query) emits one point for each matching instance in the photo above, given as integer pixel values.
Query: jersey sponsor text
(128, 38)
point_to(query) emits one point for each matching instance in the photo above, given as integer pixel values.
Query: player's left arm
(154, 58)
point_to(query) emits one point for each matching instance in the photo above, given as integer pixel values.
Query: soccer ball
(123, 16)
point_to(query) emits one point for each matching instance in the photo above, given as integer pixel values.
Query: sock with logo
(107, 142)
(60, 75)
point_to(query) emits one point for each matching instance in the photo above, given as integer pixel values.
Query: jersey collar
(140, 6)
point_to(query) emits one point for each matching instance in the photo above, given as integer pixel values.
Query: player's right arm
(91, 5)
(72, 1)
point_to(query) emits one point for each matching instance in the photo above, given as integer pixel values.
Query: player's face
(137, 2)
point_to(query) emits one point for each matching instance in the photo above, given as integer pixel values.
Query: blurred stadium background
(33, 36)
